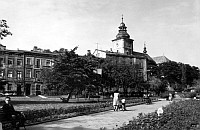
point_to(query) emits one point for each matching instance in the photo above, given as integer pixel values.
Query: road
(108, 119)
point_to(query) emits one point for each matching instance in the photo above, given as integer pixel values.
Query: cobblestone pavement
(109, 119)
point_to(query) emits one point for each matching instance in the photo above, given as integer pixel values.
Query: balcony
(47, 66)
(6, 66)
(29, 66)
(37, 80)
(29, 79)
(19, 66)
(37, 66)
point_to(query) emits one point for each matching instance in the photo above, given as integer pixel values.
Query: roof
(28, 52)
(160, 59)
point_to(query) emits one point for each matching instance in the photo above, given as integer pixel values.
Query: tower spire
(145, 49)
(122, 18)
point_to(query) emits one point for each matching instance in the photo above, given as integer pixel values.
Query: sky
(167, 27)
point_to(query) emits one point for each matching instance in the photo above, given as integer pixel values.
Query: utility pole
(24, 73)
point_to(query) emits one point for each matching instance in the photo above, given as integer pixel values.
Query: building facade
(123, 53)
(20, 70)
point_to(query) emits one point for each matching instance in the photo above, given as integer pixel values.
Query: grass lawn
(36, 103)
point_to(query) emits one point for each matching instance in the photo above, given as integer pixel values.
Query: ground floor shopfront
(21, 88)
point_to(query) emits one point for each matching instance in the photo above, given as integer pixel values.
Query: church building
(123, 53)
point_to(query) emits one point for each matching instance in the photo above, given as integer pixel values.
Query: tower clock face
(117, 44)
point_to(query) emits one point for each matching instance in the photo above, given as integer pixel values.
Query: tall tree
(192, 73)
(178, 73)
(170, 71)
(4, 29)
(71, 72)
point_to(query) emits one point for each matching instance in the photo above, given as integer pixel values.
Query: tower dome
(122, 43)
(122, 31)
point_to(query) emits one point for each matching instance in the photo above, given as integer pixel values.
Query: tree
(4, 29)
(71, 72)
(156, 85)
(192, 73)
(178, 74)
(119, 76)
(171, 72)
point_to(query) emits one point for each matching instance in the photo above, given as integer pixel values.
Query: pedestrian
(116, 100)
(11, 114)
(170, 97)
(123, 104)
(119, 106)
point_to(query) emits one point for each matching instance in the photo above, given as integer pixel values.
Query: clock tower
(123, 44)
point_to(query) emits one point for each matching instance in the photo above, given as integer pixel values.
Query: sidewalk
(109, 119)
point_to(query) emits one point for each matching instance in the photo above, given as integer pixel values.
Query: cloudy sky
(168, 27)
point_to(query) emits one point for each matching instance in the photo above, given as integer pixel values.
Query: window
(38, 63)
(10, 73)
(19, 62)
(37, 74)
(9, 88)
(28, 61)
(48, 63)
(1, 74)
(19, 74)
(37, 87)
(141, 65)
(10, 61)
(28, 73)
(1, 62)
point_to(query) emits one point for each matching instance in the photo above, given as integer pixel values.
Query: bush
(165, 95)
(189, 94)
(183, 115)
(42, 115)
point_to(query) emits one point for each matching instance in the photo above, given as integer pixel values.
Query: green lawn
(37, 103)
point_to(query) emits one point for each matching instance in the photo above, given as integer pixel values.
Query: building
(160, 59)
(123, 53)
(20, 70)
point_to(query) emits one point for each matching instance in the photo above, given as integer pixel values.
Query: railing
(37, 66)
(29, 66)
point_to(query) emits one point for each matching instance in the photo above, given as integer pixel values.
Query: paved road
(109, 119)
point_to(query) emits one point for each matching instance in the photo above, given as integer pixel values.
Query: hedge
(50, 114)
(182, 115)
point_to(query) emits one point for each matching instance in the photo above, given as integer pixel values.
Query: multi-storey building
(20, 70)
(122, 53)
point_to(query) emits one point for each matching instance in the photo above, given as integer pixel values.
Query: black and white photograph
(99, 64)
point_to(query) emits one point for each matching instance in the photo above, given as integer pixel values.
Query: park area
(180, 114)
(40, 110)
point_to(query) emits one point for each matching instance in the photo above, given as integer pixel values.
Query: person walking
(123, 104)
(170, 97)
(116, 100)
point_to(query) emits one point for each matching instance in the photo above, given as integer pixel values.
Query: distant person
(116, 100)
(119, 106)
(170, 97)
(123, 104)
(11, 114)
